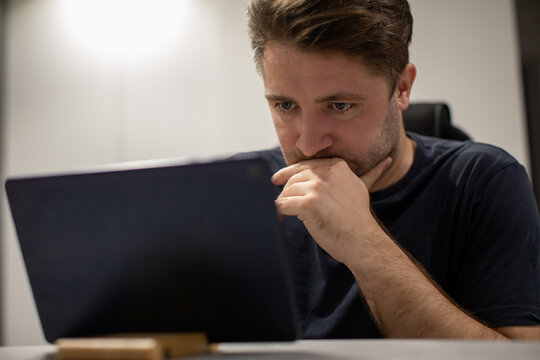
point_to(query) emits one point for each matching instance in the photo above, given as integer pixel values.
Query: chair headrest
(432, 119)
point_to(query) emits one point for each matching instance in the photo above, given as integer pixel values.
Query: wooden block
(108, 348)
(177, 344)
(133, 347)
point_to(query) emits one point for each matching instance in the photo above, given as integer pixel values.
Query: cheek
(356, 137)
(285, 132)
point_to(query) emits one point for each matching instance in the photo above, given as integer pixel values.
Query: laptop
(176, 248)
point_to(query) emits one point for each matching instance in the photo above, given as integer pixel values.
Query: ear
(403, 91)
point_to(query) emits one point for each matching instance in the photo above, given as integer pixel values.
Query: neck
(401, 163)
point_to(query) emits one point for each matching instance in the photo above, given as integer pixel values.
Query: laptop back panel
(179, 248)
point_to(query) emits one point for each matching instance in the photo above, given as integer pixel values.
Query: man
(389, 233)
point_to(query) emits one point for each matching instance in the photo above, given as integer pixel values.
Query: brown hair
(376, 31)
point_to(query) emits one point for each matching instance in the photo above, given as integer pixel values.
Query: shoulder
(435, 148)
(462, 161)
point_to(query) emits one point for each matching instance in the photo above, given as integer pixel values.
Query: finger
(283, 175)
(295, 188)
(288, 206)
(371, 177)
(303, 176)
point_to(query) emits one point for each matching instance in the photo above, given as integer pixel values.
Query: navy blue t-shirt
(465, 211)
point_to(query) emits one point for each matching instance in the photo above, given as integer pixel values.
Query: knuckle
(312, 203)
(317, 184)
(342, 164)
(294, 178)
(338, 163)
(310, 200)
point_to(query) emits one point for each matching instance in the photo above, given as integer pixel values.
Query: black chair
(432, 119)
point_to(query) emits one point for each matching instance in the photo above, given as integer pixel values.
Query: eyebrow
(329, 98)
(341, 97)
(278, 98)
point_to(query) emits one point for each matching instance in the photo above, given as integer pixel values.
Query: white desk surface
(340, 349)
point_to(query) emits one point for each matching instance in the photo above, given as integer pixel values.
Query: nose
(313, 134)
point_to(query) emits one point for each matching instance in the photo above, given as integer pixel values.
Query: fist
(331, 201)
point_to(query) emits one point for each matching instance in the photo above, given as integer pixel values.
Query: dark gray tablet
(164, 249)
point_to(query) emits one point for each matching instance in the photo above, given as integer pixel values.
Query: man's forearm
(404, 302)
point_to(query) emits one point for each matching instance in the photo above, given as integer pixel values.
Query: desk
(340, 349)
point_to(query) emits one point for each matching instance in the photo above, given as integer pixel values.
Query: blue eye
(341, 106)
(285, 106)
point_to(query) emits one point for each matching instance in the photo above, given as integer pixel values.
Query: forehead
(286, 66)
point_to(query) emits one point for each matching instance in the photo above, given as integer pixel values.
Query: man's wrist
(372, 249)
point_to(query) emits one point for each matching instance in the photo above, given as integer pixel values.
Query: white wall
(68, 105)
(467, 53)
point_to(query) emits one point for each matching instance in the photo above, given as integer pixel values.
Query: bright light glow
(130, 29)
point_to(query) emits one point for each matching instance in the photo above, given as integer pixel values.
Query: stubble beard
(386, 145)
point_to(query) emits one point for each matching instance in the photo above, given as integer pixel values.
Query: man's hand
(331, 200)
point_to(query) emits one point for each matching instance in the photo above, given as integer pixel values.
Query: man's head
(377, 32)
(336, 75)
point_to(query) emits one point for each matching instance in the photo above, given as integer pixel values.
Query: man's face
(328, 105)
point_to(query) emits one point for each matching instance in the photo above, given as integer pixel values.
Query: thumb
(371, 177)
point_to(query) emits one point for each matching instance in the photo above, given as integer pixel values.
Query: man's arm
(334, 205)
(520, 332)
(405, 302)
